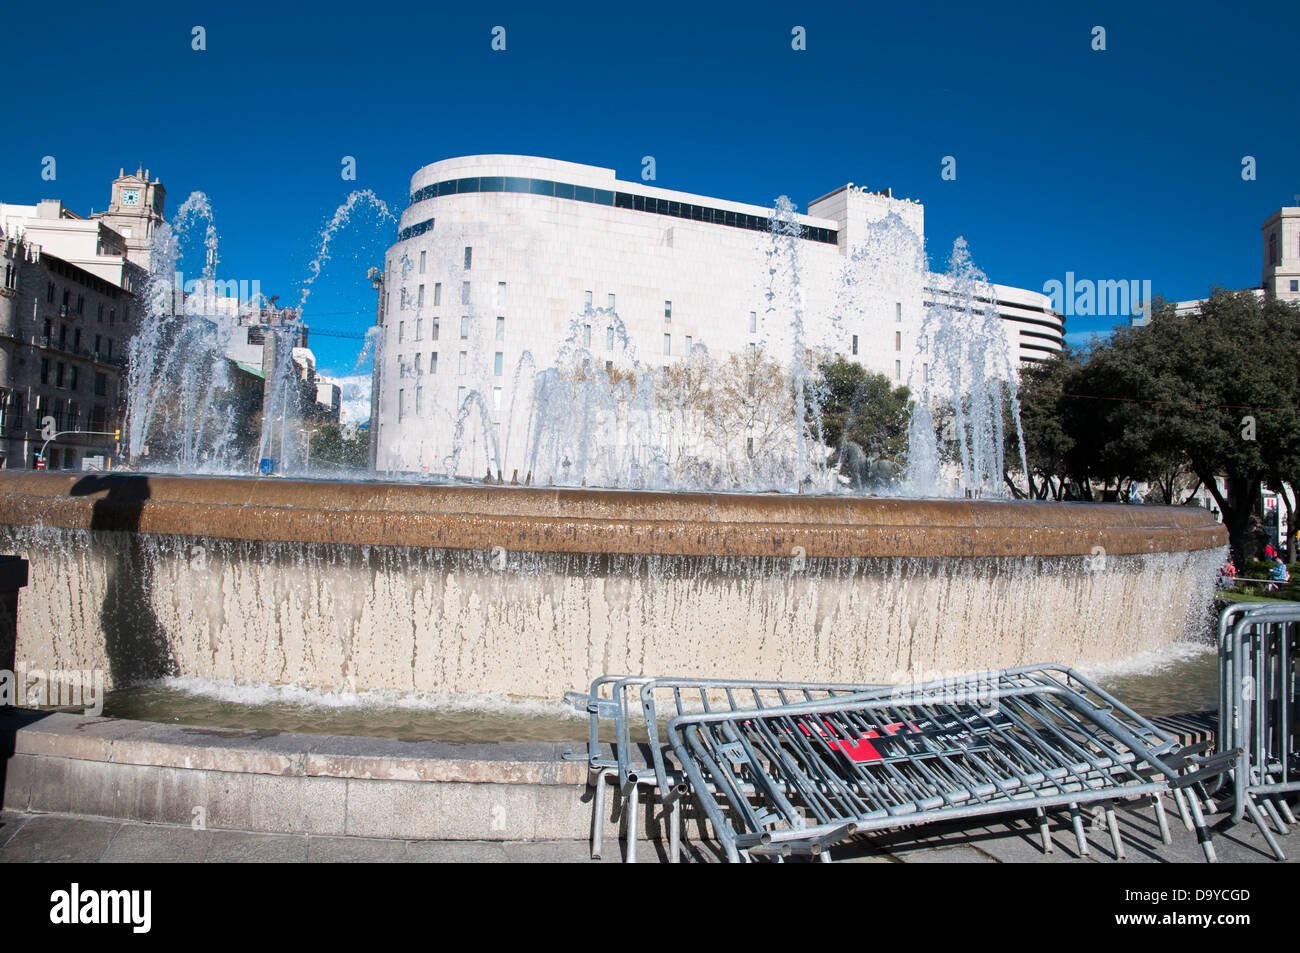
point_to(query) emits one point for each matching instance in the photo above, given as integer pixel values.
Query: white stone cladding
(536, 258)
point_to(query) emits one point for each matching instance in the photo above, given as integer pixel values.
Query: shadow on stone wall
(134, 640)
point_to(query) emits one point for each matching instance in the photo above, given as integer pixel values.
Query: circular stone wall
(531, 591)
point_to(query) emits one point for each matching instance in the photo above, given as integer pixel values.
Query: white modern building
(509, 265)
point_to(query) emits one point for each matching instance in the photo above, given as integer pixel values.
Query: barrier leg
(1253, 810)
(1043, 831)
(633, 793)
(1116, 842)
(1080, 837)
(1202, 832)
(598, 816)
(1162, 819)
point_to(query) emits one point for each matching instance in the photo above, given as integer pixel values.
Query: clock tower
(134, 211)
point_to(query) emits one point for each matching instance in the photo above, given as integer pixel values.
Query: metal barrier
(613, 699)
(795, 779)
(1258, 704)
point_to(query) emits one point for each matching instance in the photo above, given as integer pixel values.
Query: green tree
(864, 419)
(338, 447)
(1214, 391)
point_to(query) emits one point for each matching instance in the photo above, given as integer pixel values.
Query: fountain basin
(530, 591)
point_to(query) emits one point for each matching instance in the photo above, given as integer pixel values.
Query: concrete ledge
(294, 783)
(593, 521)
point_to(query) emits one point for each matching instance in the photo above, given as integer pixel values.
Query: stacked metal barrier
(1258, 722)
(796, 779)
(614, 699)
(781, 768)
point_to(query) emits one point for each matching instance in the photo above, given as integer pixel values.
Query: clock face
(130, 196)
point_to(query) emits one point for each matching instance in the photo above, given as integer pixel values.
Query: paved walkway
(54, 838)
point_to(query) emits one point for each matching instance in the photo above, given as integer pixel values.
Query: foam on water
(244, 692)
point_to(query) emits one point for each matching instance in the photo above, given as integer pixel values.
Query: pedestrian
(1279, 573)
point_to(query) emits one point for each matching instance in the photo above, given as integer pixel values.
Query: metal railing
(615, 699)
(796, 779)
(1258, 687)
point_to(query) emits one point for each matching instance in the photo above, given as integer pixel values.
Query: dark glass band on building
(583, 193)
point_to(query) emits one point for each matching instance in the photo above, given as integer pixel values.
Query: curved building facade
(506, 266)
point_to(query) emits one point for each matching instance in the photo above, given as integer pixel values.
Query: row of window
(413, 405)
(594, 196)
(66, 414)
(435, 327)
(69, 338)
(416, 367)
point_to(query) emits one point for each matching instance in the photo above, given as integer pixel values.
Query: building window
(611, 303)
(99, 314)
(112, 315)
(101, 385)
(587, 299)
(419, 297)
(469, 257)
(45, 370)
(401, 331)
(401, 404)
(464, 292)
(501, 328)
(460, 397)
(419, 327)
(464, 327)
(419, 391)
(72, 377)
(58, 375)
(753, 350)
(898, 370)
(464, 362)
(925, 373)
(419, 372)
(668, 344)
(49, 293)
(668, 312)
(855, 344)
(609, 338)
(586, 335)
(1295, 285)
(422, 262)
(437, 293)
(498, 361)
(433, 363)
(501, 294)
(898, 340)
(898, 311)
(753, 322)
(688, 344)
(435, 328)
(609, 367)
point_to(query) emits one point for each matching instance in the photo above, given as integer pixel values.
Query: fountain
(435, 586)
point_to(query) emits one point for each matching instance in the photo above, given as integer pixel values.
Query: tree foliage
(1213, 393)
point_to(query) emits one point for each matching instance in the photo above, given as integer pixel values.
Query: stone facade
(505, 264)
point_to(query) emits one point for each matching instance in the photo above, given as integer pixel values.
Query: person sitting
(1228, 575)
(1279, 573)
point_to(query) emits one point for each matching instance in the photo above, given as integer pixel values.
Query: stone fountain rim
(590, 521)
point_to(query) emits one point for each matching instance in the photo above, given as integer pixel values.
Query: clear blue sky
(1117, 164)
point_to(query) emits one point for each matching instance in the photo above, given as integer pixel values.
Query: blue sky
(1117, 164)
